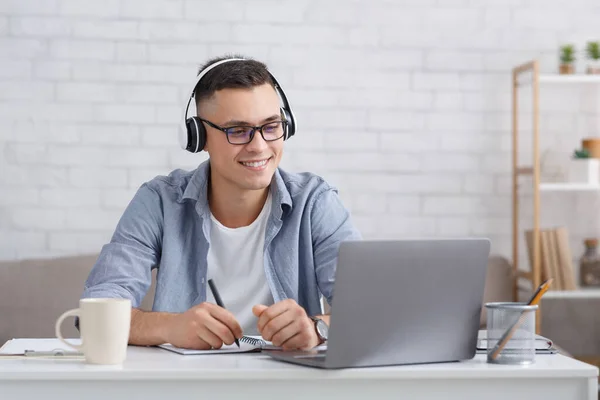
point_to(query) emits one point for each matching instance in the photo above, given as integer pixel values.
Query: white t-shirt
(235, 263)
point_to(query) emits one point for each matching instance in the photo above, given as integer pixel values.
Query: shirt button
(202, 280)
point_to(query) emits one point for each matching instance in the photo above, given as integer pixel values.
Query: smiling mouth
(255, 164)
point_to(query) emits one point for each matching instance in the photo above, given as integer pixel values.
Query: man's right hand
(203, 327)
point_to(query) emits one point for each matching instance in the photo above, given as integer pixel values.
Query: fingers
(286, 324)
(227, 319)
(212, 325)
(305, 337)
(258, 309)
(275, 327)
(285, 333)
(220, 330)
(273, 311)
(196, 343)
(206, 335)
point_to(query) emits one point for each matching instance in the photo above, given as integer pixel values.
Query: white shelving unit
(568, 187)
(531, 73)
(547, 78)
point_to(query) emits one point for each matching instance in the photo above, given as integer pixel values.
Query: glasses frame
(252, 133)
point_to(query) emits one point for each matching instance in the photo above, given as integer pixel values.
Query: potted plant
(593, 54)
(567, 58)
(583, 168)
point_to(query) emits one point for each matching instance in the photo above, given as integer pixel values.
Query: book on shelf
(565, 258)
(556, 260)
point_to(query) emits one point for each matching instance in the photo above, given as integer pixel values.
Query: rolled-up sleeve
(123, 268)
(331, 224)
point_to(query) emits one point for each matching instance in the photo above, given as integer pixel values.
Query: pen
(219, 301)
(53, 353)
(535, 299)
(43, 354)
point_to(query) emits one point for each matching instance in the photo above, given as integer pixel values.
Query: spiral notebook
(248, 344)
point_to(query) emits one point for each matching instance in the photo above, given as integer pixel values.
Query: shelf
(576, 78)
(584, 293)
(568, 187)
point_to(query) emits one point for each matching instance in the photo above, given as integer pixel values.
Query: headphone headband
(192, 134)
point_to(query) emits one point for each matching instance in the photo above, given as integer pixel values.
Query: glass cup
(510, 333)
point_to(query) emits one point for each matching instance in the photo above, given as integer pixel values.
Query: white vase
(584, 170)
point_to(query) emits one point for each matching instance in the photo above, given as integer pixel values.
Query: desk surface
(156, 374)
(145, 363)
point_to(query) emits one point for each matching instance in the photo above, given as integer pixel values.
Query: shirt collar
(197, 190)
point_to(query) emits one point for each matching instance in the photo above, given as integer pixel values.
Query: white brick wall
(404, 105)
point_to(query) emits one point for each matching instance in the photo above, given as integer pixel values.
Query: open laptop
(402, 302)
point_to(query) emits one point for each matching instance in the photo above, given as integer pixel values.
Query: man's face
(248, 166)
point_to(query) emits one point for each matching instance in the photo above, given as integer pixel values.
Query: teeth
(255, 164)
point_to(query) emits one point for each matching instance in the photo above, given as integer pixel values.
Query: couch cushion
(571, 319)
(498, 283)
(34, 293)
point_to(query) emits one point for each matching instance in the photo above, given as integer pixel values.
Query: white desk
(152, 373)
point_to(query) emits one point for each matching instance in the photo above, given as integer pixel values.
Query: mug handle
(71, 313)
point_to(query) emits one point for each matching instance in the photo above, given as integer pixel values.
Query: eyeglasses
(244, 134)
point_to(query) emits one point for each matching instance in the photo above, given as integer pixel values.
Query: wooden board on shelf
(529, 244)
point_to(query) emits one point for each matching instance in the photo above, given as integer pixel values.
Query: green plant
(583, 153)
(567, 54)
(593, 50)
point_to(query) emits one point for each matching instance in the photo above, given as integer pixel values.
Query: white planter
(584, 170)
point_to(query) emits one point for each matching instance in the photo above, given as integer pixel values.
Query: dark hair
(245, 74)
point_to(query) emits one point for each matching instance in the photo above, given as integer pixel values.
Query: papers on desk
(40, 348)
(543, 345)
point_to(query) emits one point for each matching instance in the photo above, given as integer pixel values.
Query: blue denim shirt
(167, 226)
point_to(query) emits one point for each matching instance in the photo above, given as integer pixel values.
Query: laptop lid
(406, 301)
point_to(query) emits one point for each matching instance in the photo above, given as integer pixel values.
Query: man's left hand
(286, 324)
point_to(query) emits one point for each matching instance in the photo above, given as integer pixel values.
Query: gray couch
(34, 293)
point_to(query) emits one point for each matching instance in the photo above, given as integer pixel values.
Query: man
(267, 238)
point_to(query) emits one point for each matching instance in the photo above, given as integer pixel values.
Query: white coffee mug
(104, 329)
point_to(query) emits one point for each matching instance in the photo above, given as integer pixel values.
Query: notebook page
(244, 348)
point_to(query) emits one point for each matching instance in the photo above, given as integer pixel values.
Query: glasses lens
(273, 130)
(239, 134)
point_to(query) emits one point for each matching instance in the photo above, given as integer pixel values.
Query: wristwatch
(321, 328)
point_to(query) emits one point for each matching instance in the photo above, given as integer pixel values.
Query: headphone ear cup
(196, 135)
(290, 128)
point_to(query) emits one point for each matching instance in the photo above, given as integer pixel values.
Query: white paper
(540, 342)
(18, 346)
